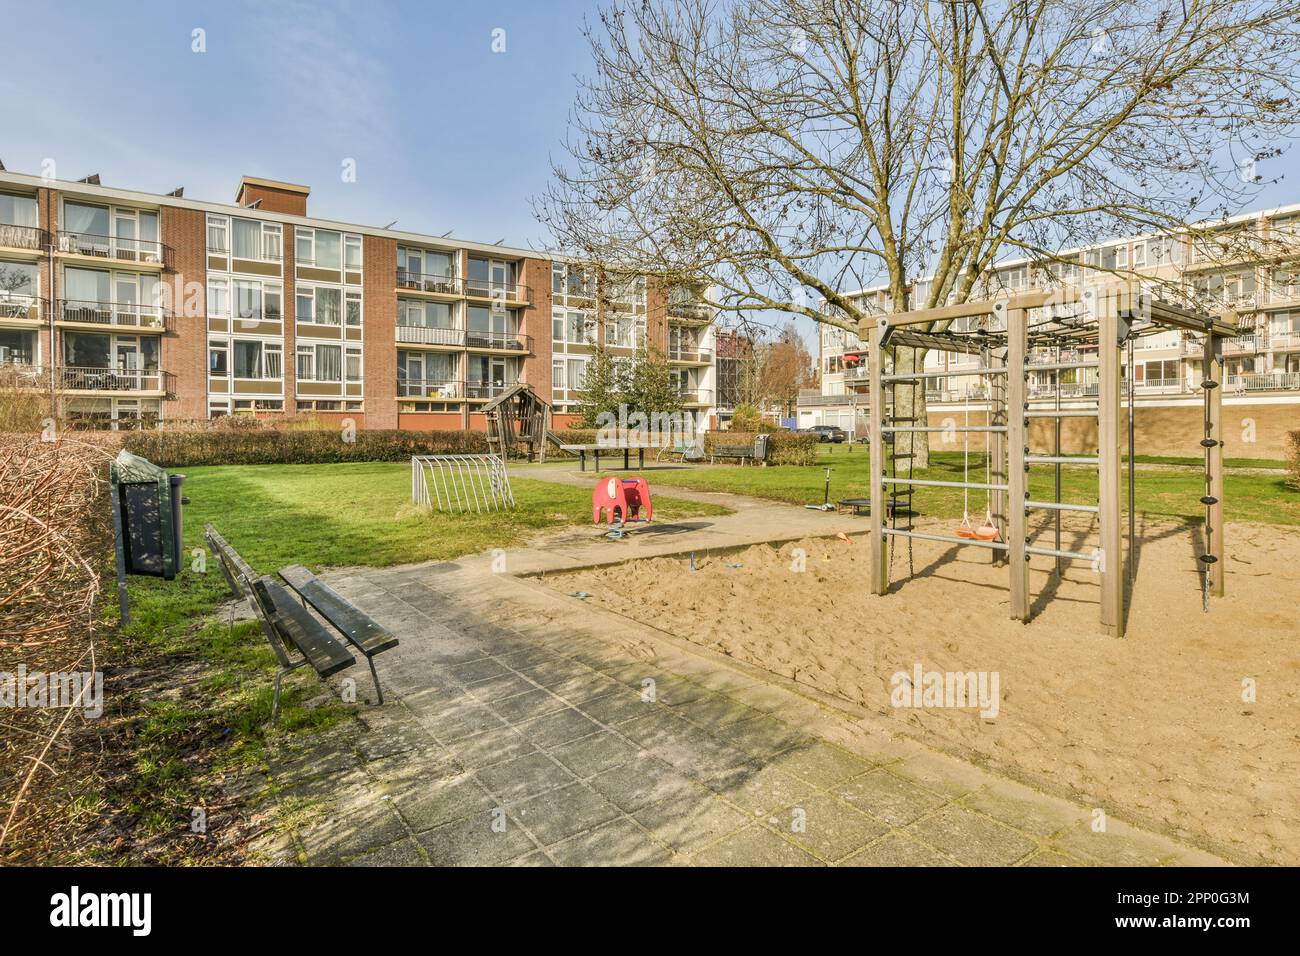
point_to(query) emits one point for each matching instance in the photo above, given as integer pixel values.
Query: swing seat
(986, 532)
(962, 531)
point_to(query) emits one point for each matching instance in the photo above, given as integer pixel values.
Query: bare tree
(786, 152)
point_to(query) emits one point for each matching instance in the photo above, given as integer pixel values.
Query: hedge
(178, 449)
(1293, 459)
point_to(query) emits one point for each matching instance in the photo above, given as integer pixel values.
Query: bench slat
(356, 625)
(295, 622)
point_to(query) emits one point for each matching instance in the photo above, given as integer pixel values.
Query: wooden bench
(284, 621)
(755, 451)
(357, 627)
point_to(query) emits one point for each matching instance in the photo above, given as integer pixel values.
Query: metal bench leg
(275, 702)
(379, 691)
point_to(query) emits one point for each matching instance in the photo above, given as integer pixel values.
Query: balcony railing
(435, 388)
(1259, 381)
(486, 390)
(855, 373)
(695, 396)
(430, 282)
(130, 315)
(696, 356)
(81, 378)
(487, 289)
(23, 237)
(429, 335)
(512, 341)
(1284, 341)
(21, 307)
(113, 247)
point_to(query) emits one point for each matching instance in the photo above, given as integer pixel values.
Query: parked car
(829, 433)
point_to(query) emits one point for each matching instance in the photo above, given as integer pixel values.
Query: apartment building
(1250, 263)
(131, 308)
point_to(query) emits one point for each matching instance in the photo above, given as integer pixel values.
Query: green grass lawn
(1171, 494)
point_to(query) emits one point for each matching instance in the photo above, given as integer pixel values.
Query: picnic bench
(582, 450)
(287, 622)
(755, 451)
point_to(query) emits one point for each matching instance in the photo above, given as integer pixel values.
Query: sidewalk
(523, 726)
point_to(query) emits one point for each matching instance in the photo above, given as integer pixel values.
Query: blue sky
(446, 134)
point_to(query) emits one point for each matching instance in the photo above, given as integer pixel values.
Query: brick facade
(379, 259)
(184, 348)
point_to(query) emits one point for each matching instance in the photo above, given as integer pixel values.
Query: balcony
(122, 315)
(690, 356)
(458, 287)
(429, 335)
(142, 251)
(433, 388)
(1284, 341)
(84, 379)
(1264, 381)
(27, 238)
(855, 374)
(21, 308)
(428, 282)
(482, 391)
(685, 307)
(500, 341)
(695, 396)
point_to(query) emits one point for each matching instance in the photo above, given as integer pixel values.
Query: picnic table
(626, 449)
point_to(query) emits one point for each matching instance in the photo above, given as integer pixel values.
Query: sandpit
(1154, 726)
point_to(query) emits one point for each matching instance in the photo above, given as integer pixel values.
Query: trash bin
(147, 516)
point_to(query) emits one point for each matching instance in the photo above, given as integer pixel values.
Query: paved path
(525, 727)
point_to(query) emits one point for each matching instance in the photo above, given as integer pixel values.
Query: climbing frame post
(875, 422)
(1214, 542)
(1105, 310)
(1017, 470)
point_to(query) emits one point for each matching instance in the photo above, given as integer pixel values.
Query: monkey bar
(1106, 319)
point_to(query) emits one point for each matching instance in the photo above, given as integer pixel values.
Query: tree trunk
(910, 399)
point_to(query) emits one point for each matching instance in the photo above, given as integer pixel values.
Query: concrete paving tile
(1042, 818)
(644, 780)
(339, 837)
(442, 802)
(473, 841)
(656, 728)
(554, 671)
(617, 843)
(537, 858)
(821, 764)
(622, 705)
(490, 747)
(754, 846)
(895, 849)
(691, 823)
(524, 777)
(715, 711)
(828, 828)
(1048, 858)
(1117, 846)
(588, 687)
(479, 670)
(500, 688)
(403, 852)
(972, 839)
(558, 728)
(523, 707)
(766, 790)
(888, 797)
(763, 736)
(554, 816)
(595, 754)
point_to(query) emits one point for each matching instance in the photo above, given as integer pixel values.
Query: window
(353, 362)
(352, 253)
(353, 309)
(327, 250)
(18, 210)
(426, 315)
(1121, 257)
(557, 374)
(248, 300)
(217, 236)
(248, 359)
(557, 325)
(1139, 255)
(320, 363)
(218, 298)
(304, 250)
(577, 374)
(217, 351)
(17, 282)
(319, 305)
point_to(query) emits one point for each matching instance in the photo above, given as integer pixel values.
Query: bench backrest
(242, 578)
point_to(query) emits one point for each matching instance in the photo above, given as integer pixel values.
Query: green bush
(178, 449)
(783, 448)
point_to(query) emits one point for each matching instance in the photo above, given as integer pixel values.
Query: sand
(1153, 727)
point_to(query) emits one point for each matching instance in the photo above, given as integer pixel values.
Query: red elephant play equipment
(621, 499)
